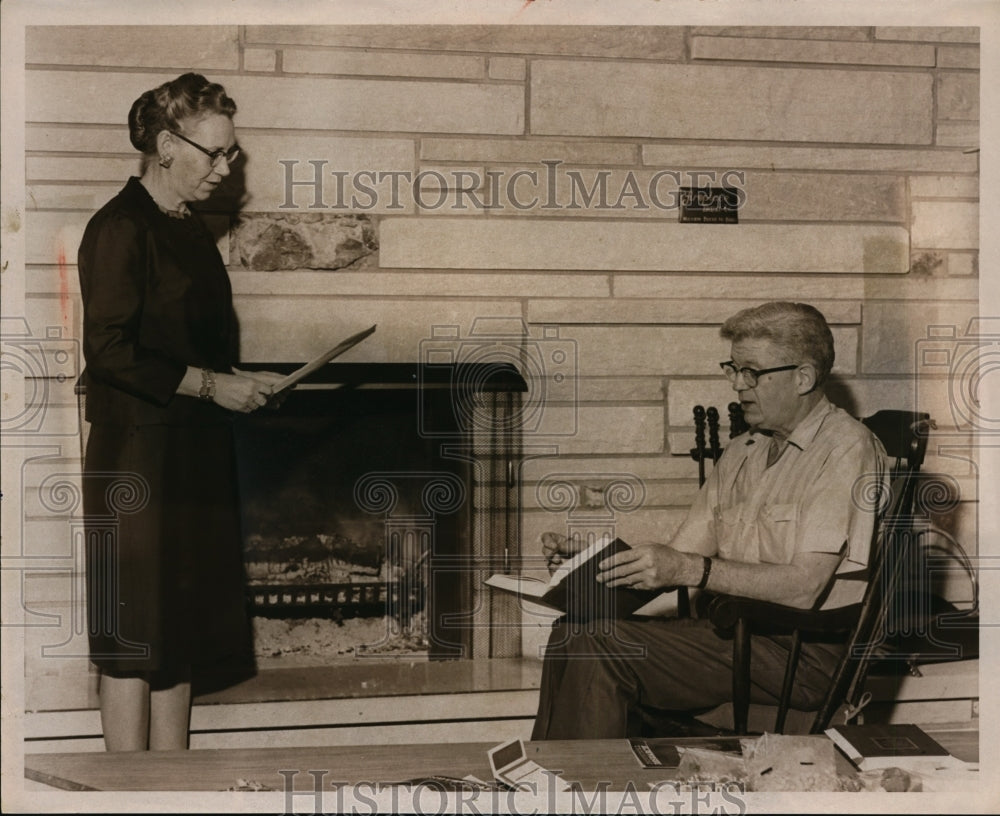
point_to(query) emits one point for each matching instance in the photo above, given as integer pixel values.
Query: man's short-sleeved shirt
(820, 496)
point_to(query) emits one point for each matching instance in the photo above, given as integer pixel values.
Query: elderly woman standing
(160, 339)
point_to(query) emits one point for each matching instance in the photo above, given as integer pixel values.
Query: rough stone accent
(267, 242)
(784, 50)
(928, 263)
(612, 99)
(791, 32)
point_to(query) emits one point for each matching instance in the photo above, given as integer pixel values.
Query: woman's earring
(166, 161)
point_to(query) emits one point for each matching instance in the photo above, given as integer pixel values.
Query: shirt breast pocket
(777, 525)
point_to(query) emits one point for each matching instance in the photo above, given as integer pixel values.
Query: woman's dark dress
(165, 576)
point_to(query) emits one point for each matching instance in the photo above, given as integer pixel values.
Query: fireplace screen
(372, 508)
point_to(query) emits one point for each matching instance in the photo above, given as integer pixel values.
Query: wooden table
(591, 764)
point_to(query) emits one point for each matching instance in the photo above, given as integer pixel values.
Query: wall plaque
(709, 205)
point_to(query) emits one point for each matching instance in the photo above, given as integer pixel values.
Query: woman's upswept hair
(165, 107)
(797, 328)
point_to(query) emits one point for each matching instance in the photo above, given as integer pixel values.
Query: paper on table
(322, 360)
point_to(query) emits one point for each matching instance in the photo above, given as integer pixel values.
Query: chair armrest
(725, 610)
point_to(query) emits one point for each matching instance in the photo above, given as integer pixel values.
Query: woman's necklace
(181, 211)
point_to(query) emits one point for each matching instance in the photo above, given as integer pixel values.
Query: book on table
(574, 589)
(889, 745)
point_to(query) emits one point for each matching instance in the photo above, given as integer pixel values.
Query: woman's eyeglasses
(213, 155)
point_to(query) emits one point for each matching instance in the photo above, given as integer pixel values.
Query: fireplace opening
(373, 502)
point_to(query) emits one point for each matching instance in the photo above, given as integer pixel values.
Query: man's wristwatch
(706, 571)
(207, 390)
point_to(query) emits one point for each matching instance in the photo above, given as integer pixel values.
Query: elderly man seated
(780, 518)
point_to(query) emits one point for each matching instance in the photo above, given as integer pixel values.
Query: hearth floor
(380, 678)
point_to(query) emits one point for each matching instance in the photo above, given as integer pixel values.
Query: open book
(321, 360)
(575, 590)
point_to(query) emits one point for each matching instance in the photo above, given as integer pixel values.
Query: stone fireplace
(376, 498)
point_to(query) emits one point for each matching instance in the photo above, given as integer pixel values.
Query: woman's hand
(243, 392)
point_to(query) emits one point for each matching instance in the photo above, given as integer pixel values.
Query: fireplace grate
(366, 599)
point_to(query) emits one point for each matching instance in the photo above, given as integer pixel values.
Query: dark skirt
(165, 574)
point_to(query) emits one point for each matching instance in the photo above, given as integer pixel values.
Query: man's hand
(650, 566)
(557, 548)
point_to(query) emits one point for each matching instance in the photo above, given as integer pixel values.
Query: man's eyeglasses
(213, 155)
(750, 375)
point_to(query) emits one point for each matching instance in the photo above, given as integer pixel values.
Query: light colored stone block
(611, 430)
(645, 469)
(89, 197)
(791, 104)
(745, 157)
(527, 151)
(386, 64)
(71, 139)
(945, 224)
(957, 57)
(81, 169)
(842, 33)
(308, 177)
(619, 193)
(208, 47)
(512, 243)
(260, 59)
(957, 96)
(642, 42)
(53, 237)
(510, 68)
(671, 351)
(786, 50)
(944, 187)
(633, 311)
(894, 336)
(957, 134)
(303, 102)
(612, 388)
(928, 33)
(296, 329)
(419, 284)
(763, 286)
(915, 287)
(965, 264)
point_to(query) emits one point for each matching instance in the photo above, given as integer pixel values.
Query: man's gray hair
(798, 328)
